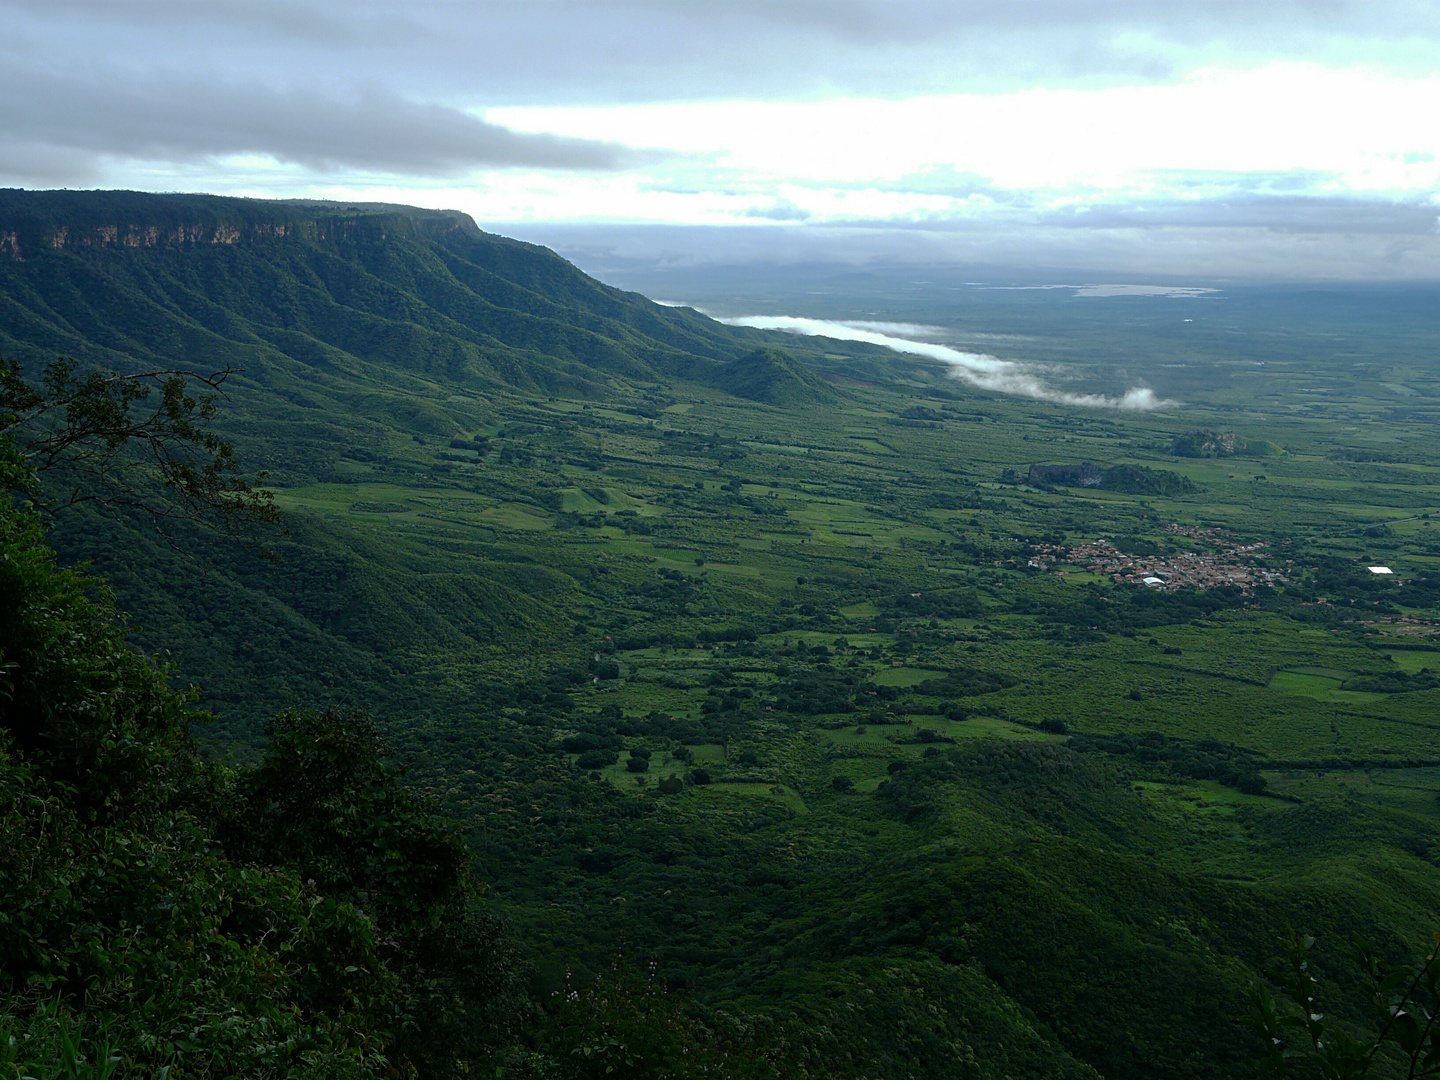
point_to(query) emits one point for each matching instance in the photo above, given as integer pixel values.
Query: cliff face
(1083, 475)
(33, 221)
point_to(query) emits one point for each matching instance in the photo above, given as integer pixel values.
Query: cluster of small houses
(1229, 564)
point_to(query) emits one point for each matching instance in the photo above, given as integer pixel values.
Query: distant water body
(979, 369)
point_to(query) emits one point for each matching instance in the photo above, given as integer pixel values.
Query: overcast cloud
(161, 117)
(611, 51)
(1286, 138)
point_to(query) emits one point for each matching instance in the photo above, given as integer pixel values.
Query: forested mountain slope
(365, 337)
(273, 287)
(329, 306)
(760, 659)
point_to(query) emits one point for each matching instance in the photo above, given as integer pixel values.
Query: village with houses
(1229, 562)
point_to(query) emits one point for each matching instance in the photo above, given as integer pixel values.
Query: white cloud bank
(979, 369)
(1223, 138)
(1285, 170)
(1291, 127)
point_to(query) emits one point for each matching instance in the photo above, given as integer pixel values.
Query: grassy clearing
(1415, 661)
(1306, 684)
(1205, 797)
(903, 676)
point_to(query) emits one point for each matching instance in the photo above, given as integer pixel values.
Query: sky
(1210, 139)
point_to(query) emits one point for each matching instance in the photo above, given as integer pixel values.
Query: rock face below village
(1082, 475)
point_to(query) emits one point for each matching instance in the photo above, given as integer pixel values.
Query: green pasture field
(902, 676)
(1415, 661)
(1307, 683)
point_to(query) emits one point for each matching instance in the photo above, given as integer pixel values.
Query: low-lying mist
(978, 369)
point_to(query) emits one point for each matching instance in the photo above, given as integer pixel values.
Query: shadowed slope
(328, 294)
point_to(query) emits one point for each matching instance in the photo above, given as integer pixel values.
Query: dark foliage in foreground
(1402, 1038)
(305, 917)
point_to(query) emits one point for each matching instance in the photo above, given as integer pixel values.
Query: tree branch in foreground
(141, 441)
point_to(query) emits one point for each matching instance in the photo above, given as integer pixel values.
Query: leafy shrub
(1394, 682)
(596, 759)
(967, 682)
(1300, 1038)
(737, 633)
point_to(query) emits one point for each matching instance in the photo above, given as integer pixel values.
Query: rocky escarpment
(1083, 475)
(35, 221)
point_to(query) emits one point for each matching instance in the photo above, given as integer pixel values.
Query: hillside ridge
(324, 288)
(35, 220)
